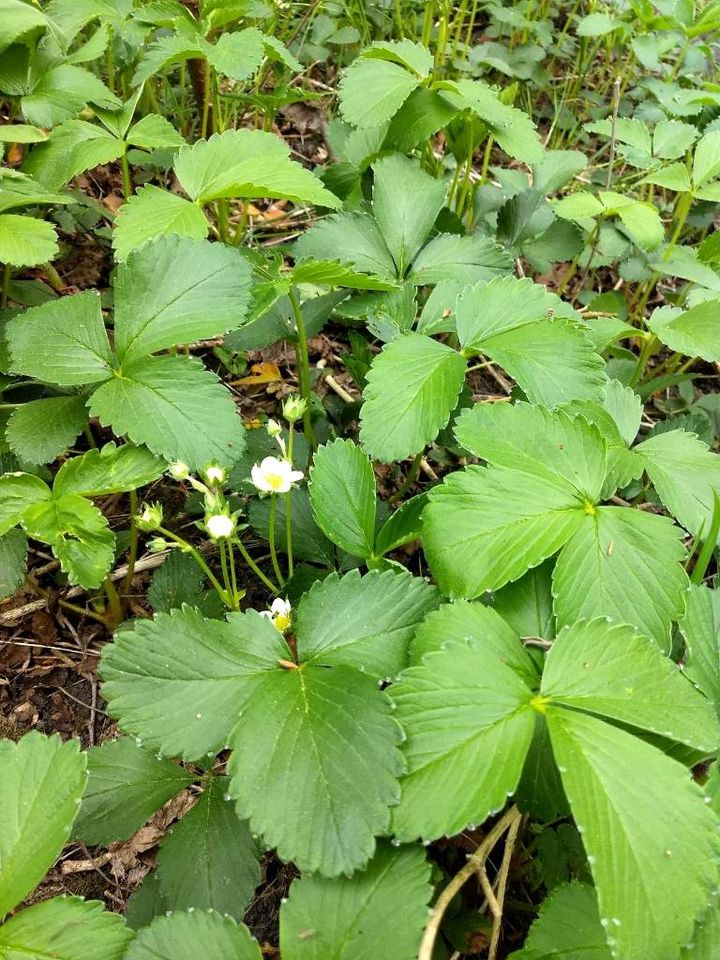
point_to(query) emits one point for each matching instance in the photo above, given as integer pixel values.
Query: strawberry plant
(359, 481)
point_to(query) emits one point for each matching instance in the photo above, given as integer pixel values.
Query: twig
(506, 823)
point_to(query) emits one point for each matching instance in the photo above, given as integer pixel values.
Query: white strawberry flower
(280, 613)
(274, 475)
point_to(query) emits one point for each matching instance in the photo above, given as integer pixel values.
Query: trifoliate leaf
(178, 682)
(237, 54)
(174, 406)
(379, 911)
(209, 861)
(111, 469)
(18, 492)
(685, 474)
(42, 430)
(342, 493)
(462, 765)
(194, 936)
(127, 784)
(414, 56)
(484, 527)
(486, 309)
(532, 439)
(247, 163)
(406, 203)
(13, 561)
(693, 332)
(567, 928)
(25, 241)
(479, 626)
(364, 622)
(653, 875)
(61, 92)
(332, 731)
(641, 220)
(42, 782)
(411, 390)
(78, 534)
(151, 212)
(372, 91)
(632, 560)
(62, 341)
(66, 928)
(166, 52)
(612, 671)
(700, 628)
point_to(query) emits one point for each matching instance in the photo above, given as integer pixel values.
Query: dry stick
(146, 563)
(502, 880)
(506, 823)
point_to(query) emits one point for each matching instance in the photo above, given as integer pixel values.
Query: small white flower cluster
(276, 474)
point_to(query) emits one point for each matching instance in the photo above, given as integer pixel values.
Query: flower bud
(215, 475)
(294, 408)
(273, 428)
(158, 544)
(179, 470)
(219, 526)
(150, 517)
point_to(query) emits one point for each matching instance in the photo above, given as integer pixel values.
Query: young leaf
(485, 527)
(174, 406)
(42, 430)
(18, 492)
(194, 936)
(176, 290)
(62, 341)
(633, 561)
(151, 212)
(342, 493)
(364, 622)
(700, 628)
(25, 241)
(462, 764)
(380, 911)
(411, 390)
(78, 534)
(685, 474)
(127, 784)
(247, 163)
(209, 861)
(43, 780)
(177, 682)
(406, 203)
(478, 626)
(523, 437)
(331, 731)
(589, 669)
(568, 926)
(73, 147)
(13, 561)
(692, 332)
(67, 928)
(108, 470)
(154, 132)
(653, 875)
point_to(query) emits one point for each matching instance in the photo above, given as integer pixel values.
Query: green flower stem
(126, 178)
(409, 479)
(133, 548)
(113, 598)
(189, 548)
(254, 567)
(647, 351)
(303, 362)
(288, 505)
(271, 535)
(7, 277)
(229, 592)
(233, 575)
